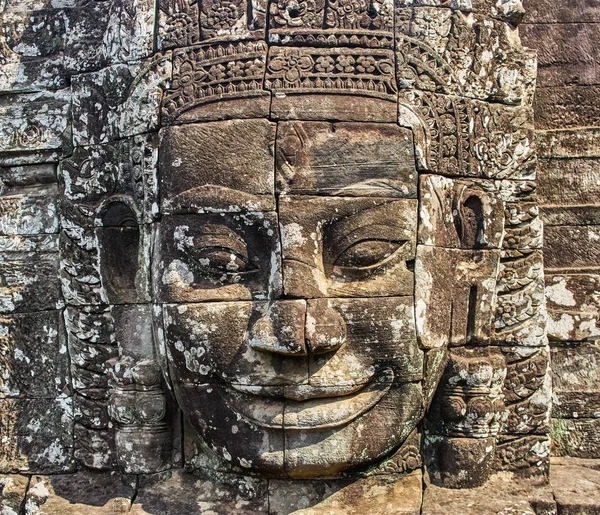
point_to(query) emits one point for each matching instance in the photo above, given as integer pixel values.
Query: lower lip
(319, 413)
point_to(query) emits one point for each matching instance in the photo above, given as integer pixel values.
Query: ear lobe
(470, 223)
(120, 240)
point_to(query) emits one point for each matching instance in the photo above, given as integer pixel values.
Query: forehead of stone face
(345, 159)
(222, 166)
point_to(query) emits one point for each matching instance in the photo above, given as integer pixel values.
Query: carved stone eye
(222, 263)
(367, 253)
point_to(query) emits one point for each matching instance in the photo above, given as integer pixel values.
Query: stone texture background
(566, 36)
(38, 59)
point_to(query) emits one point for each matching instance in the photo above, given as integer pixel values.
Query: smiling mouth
(316, 412)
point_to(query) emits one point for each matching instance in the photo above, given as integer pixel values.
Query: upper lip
(321, 410)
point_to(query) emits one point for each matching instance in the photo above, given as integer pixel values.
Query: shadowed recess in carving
(120, 237)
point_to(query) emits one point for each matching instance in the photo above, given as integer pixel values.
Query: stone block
(184, 24)
(352, 435)
(12, 493)
(501, 494)
(346, 108)
(29, 211)
(217, 257)
(178, 24)
(572, 248)
(91, 407)
(299, 77)
(566, 107)
(85, 48)
(347, 247)
(345, 159)
(454, 295)
(461, 463)
(24, 176)
(175, 492)
(520, 318)
(526, 456)
(35, 124)
(568, 143)
(573, 304)
(546, 11)
(576, 487)
(560, 61)
(527, 391)
(200, 173)
(377, 335)
(578, 438)
(393, 494)
(34, 355)
(460, 214)
(133, 330)
(523, 227)
(91, 493)
(33, 44)
(243, 429)
(457, 41)
(98, 179)
(562, 182)
(95, 448)
(576, 381)
(132, 37)
(90, 336)
(465, 134)
(29, 282)
(37, 435)
(216, 81)
(228, 330)
(124, 98)
(29, 243)
(570, 215)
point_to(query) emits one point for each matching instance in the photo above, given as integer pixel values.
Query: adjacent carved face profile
(303, 328)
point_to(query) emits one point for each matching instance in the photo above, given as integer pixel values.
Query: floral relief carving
(343, 69)
(297, 13)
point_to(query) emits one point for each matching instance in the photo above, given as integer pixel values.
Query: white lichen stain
(559, 294)
(562, 327)
(291, 236)
(178, 273)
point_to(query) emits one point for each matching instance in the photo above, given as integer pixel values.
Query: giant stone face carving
(284, 281)
(313, 222)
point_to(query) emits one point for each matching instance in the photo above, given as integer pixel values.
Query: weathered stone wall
(566, 36)
(82, 87)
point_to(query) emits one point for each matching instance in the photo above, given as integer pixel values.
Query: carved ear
(120, 245)
(470, 222)
(472, 218)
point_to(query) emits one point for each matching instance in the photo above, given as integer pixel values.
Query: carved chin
(315, 437)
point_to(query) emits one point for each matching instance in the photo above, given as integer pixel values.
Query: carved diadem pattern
(343, 70)
(210, 73)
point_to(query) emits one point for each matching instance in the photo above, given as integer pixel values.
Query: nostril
(325, 329)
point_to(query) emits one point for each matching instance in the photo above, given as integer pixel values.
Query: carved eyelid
(367, 233)
(220, 237)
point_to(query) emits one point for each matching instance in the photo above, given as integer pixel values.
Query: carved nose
(293, 328)
(280, 328)
(325, 327)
